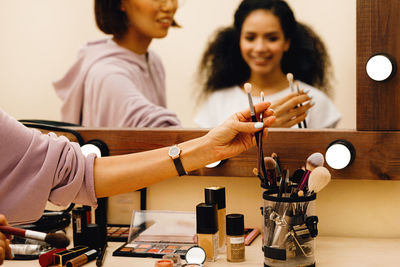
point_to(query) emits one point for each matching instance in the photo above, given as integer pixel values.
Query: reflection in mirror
(35, 55)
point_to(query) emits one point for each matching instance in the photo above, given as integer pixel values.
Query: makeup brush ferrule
(35, 235)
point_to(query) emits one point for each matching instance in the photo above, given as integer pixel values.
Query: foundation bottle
(207, 229)
(235, 248)
(216, 195)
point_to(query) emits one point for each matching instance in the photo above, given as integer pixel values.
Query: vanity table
(330, 252)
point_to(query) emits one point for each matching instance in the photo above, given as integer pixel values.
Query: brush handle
(23, 233)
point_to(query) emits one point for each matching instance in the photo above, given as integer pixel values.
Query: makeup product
(271, 173)
(82, 259)
(101, 255)
(164, 263)
(93, 235)
(207, 229)
(161, 233)
(247, 89)
(314, 160)
(289, 77)
(250, 234)
(195, 257)
(318, 179)
(235, 247)
(81, 217)
(175, 258)
(46, 259)
(117, 232)
(26, 249)
(298, 92)
(58, 240)
(216, 195)
(61, 258)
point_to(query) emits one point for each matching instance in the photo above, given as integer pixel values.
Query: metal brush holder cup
(290, 226)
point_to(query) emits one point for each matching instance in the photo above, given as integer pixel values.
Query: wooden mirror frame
(376, 139)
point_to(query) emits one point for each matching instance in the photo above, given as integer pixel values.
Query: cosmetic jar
(235, 247)
(175, 258)
(207, 229)
(164, 263)
(216, 195)
(195, 257)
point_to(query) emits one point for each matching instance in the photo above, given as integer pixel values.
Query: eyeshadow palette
(157, 233)
(153, 250)
(117, 232)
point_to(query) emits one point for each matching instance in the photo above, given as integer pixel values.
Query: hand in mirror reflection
(291, 109)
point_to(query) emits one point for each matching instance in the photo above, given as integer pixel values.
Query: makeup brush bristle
(318, 179)
(247, 87)
(255, 171)
(270, 163)
(315, 160)
(289, 76)
(57, 240)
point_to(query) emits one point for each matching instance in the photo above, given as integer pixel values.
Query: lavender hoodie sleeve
(35, 168)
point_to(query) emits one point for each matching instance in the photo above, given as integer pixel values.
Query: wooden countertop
(330, 252)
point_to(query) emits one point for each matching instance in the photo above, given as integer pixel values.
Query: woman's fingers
(245, 115)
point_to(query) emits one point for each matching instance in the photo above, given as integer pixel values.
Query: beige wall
(40, 39)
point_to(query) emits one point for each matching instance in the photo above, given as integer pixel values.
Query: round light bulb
(89, 149)
(379, 67)
(338, 156)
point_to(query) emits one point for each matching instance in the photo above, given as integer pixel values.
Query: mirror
(41, 41)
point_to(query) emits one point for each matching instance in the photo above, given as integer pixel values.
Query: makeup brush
(318, 179)
(270, 164)
(57, 240)
(298, 92)
(314, 160)
(289, 77)
(247, 89)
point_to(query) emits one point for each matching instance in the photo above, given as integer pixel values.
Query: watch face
(174, 151)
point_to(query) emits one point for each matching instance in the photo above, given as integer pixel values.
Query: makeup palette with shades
(157, 233)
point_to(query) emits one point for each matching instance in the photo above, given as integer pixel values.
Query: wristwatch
(175, 153)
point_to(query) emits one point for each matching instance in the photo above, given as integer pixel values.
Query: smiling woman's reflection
(118, 82)
(263, 45)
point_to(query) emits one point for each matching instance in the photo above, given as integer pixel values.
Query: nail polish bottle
(207, 229)
(216, 195)
(235, 247)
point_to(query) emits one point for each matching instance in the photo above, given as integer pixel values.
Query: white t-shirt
(221, 104)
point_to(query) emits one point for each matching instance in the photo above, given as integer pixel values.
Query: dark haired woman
(118, 82)
(264, 44)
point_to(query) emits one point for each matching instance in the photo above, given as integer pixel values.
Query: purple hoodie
(110, 86)
(35, 168)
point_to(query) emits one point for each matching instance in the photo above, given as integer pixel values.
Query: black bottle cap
(206, 218)
(215, 195)
(235, 224)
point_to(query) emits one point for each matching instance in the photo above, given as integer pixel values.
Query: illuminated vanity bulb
(339, 154)
(95, 146)
(90, 149)
(380, 67)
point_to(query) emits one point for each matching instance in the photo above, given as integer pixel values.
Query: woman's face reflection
(150, 18)
(262, 42)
